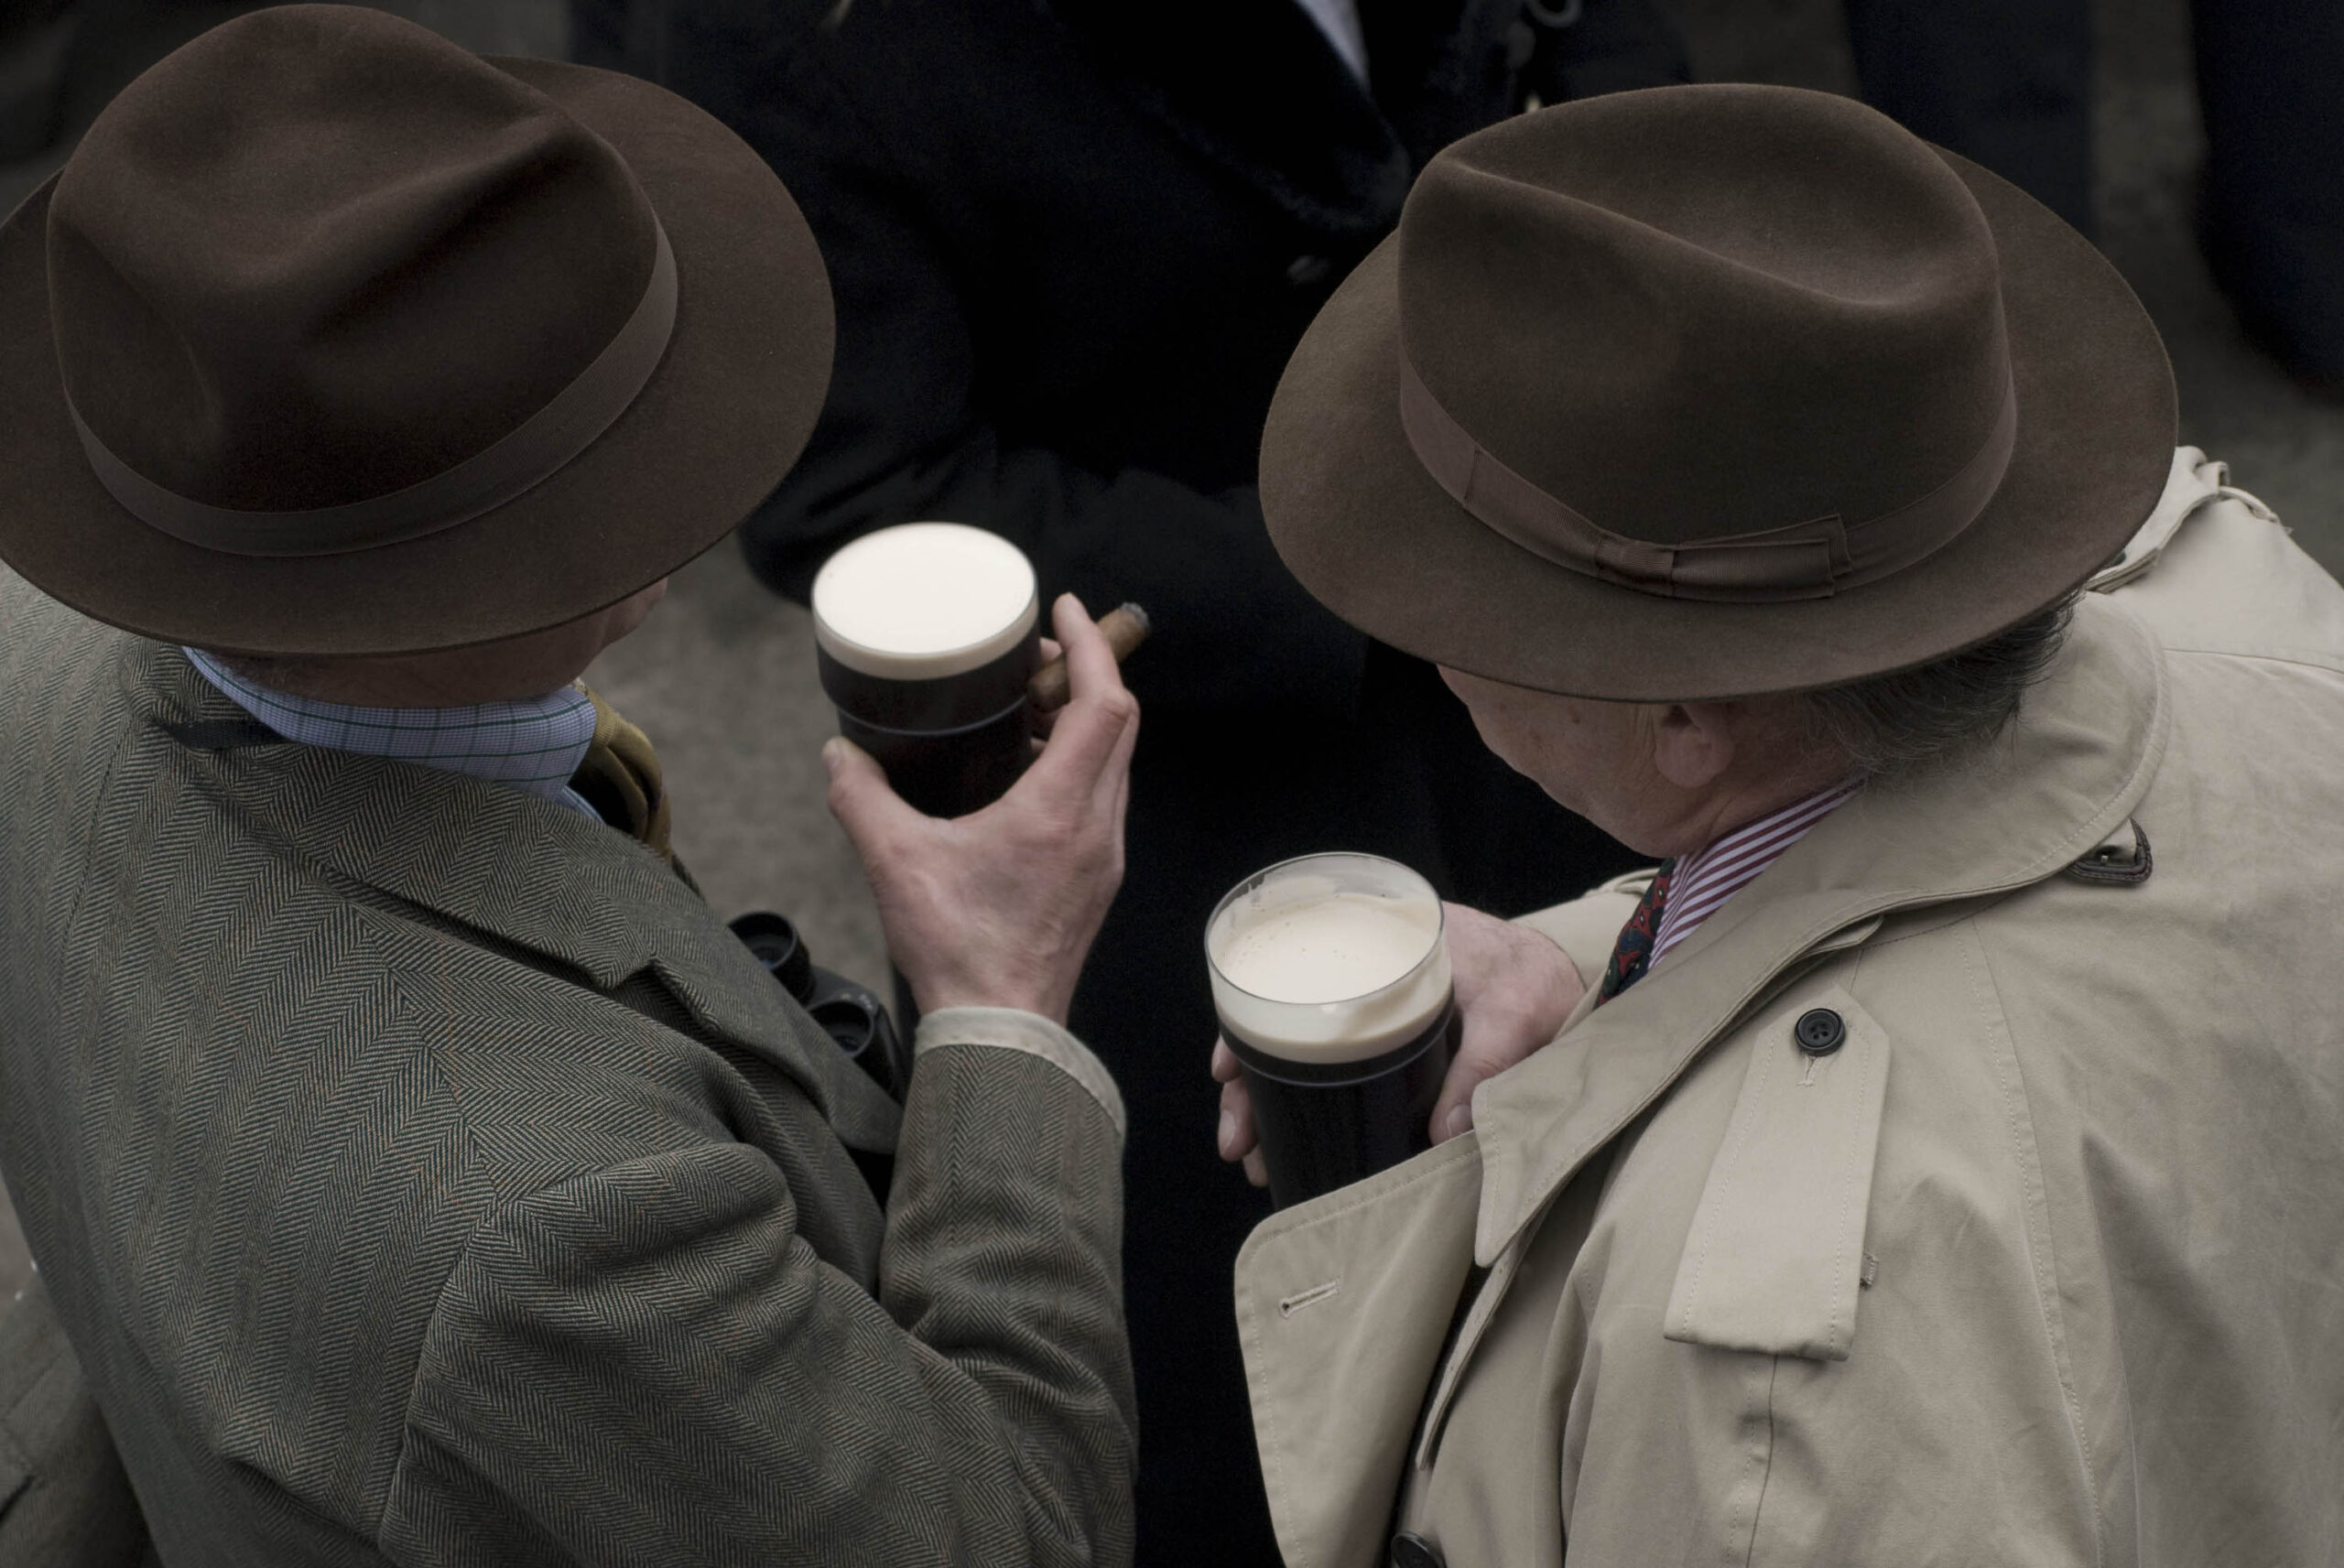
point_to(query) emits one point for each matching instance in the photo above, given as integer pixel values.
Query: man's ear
(1693, 742)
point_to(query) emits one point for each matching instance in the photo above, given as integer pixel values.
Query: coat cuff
(1011, 1029)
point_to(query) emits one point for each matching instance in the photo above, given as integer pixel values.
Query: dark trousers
(32, 72)
(2271, 78)
(2008, 83)
(2004, 83)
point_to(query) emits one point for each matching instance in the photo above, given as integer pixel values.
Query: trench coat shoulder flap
(513, 870)
(1853, 1118)
(2059, 783)
(1760, 1273)
(2196, 482)
(1343, 1303)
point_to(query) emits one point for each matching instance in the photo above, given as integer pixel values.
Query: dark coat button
(1410, 1551)
(1819, 1031)
(1304, 271)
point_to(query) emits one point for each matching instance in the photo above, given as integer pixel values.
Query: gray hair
(1891, 724)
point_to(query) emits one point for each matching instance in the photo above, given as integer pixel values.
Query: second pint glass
(1331, 979)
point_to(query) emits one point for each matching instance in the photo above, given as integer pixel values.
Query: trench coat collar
(2065, 778)
(522, 871)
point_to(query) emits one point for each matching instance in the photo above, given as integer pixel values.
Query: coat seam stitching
(1988, 996)
(1763, 1462)
(1849, 1193)
(2294, 659)
(1274, 1465)
(1843, 1339)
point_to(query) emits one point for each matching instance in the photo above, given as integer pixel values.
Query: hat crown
(1764, 307)
(319, 255)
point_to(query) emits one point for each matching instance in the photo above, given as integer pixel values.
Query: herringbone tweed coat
(424, 1174)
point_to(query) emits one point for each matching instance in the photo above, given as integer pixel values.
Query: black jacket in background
(1073, 244)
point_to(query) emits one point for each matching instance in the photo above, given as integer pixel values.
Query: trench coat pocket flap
(1775, 1257)
(1342, 1305)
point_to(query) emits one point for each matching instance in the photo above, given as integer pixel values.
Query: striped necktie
(620, 778)
(1632, 953)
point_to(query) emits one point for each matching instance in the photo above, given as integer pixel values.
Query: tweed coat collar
(2061, 782)
(520, 871)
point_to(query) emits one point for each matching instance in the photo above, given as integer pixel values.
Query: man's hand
(999, 908)
(1514, 989)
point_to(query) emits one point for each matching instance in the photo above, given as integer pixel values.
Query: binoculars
(850, 1014)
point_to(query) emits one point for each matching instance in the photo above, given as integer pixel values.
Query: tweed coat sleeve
(648, 1363)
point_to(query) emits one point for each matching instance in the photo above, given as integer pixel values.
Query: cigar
(1125, 627)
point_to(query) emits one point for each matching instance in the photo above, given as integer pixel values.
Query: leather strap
(620, 777)
(1809, 559)
(531, 453)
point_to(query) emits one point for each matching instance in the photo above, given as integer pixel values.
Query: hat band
(1811, 559)
(518, 461)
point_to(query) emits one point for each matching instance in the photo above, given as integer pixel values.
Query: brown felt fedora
(334, 338)
(1709, 392)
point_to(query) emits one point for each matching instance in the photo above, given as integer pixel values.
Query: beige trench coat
(2045, 1266)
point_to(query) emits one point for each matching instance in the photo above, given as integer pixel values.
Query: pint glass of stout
(925, 635)
(1331, 975)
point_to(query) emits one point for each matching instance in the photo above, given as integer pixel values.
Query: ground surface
(722, 675)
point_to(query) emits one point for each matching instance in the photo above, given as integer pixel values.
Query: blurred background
(722, 677)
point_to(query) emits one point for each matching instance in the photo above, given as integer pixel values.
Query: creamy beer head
(1330, 958)
(924, 601)
(925, 636)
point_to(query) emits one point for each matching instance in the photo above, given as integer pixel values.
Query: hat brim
(1370, 534)
(715, 428)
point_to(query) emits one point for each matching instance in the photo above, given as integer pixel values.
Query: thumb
(1453, 1112)
(1478, 1058)
(861, 798)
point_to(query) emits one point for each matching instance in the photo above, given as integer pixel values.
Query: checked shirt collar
(534, 745)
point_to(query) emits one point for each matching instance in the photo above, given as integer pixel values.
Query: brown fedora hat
(334, 338)
(1709, 391)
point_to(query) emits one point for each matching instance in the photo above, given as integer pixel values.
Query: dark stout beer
(1331, 979)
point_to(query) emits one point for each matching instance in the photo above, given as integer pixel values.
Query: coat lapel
(519, 871)
(1361, 1278)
